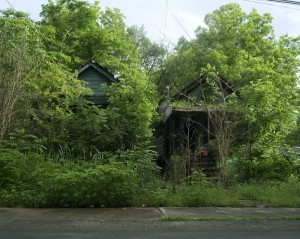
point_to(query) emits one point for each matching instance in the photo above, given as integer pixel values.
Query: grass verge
(230, 218)
(272, 194)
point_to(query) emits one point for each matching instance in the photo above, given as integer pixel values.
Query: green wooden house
(96, 75)
(187, 132)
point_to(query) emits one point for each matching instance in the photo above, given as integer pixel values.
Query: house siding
(94, 79)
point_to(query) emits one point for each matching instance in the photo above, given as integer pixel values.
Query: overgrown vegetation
(32, 181)
(59, 150)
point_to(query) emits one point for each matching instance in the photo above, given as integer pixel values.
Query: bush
(157, 197)
(110, 185)
(266, 165)
(141, 160)
(17, 168)
(197, 178)
(8, 167)
(33, 182)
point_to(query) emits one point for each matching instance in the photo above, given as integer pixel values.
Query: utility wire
(10, 5)
(163, 25)
(285, 1)
(274, 5)
(166, 38)
(180, 24)
(166, 16)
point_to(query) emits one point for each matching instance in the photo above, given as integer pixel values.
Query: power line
(10, 5)
(166, 16)
(286, 1)
(180, 24)
(163, 25)
(165, 37)
(274, 5)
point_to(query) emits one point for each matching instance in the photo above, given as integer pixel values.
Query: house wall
(186, 137)
(94, 80)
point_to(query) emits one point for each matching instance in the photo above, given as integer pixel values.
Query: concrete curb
(131, 214)
(84, 214)
(227, 213)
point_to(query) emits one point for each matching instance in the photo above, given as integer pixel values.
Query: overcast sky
(175, 18)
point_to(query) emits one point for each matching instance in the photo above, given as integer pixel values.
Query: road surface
(154, 229)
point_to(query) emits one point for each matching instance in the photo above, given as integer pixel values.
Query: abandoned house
(95, 75)
(188, 137)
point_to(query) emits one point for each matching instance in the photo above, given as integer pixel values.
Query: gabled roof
(165, 107)
(99, 68)
(198, 84)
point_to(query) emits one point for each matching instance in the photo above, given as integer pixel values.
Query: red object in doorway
(203, 153)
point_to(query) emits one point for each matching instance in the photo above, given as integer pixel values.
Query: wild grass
(268, 194)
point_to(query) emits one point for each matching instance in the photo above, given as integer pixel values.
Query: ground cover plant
(214, 194)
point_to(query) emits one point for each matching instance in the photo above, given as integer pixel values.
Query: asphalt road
(154, 229)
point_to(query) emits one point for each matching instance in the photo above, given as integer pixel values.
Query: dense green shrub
(110, 185)
(266, 164)
(8, 174)
(33, 182)
(122, 180)
(141, 160)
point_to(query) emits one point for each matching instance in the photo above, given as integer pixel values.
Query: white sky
(189, 13)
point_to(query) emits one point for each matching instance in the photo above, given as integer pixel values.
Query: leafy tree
(118, 52)
(152, 54)
(263, 68)
(55, 104)
(19, 34)
(243, 49)
(293, 137)
(180, 68)
(71, 29)
(81, 31)
(78, 31)
(39, 96)
(131, 110)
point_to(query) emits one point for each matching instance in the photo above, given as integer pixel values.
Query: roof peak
(97, 66)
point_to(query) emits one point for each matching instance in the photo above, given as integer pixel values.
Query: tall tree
(132, 108)
(72, 32)
(81, 32)
(78, 31)
(20, 53)
(243, 50)
(152, 54)
(36, 94)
